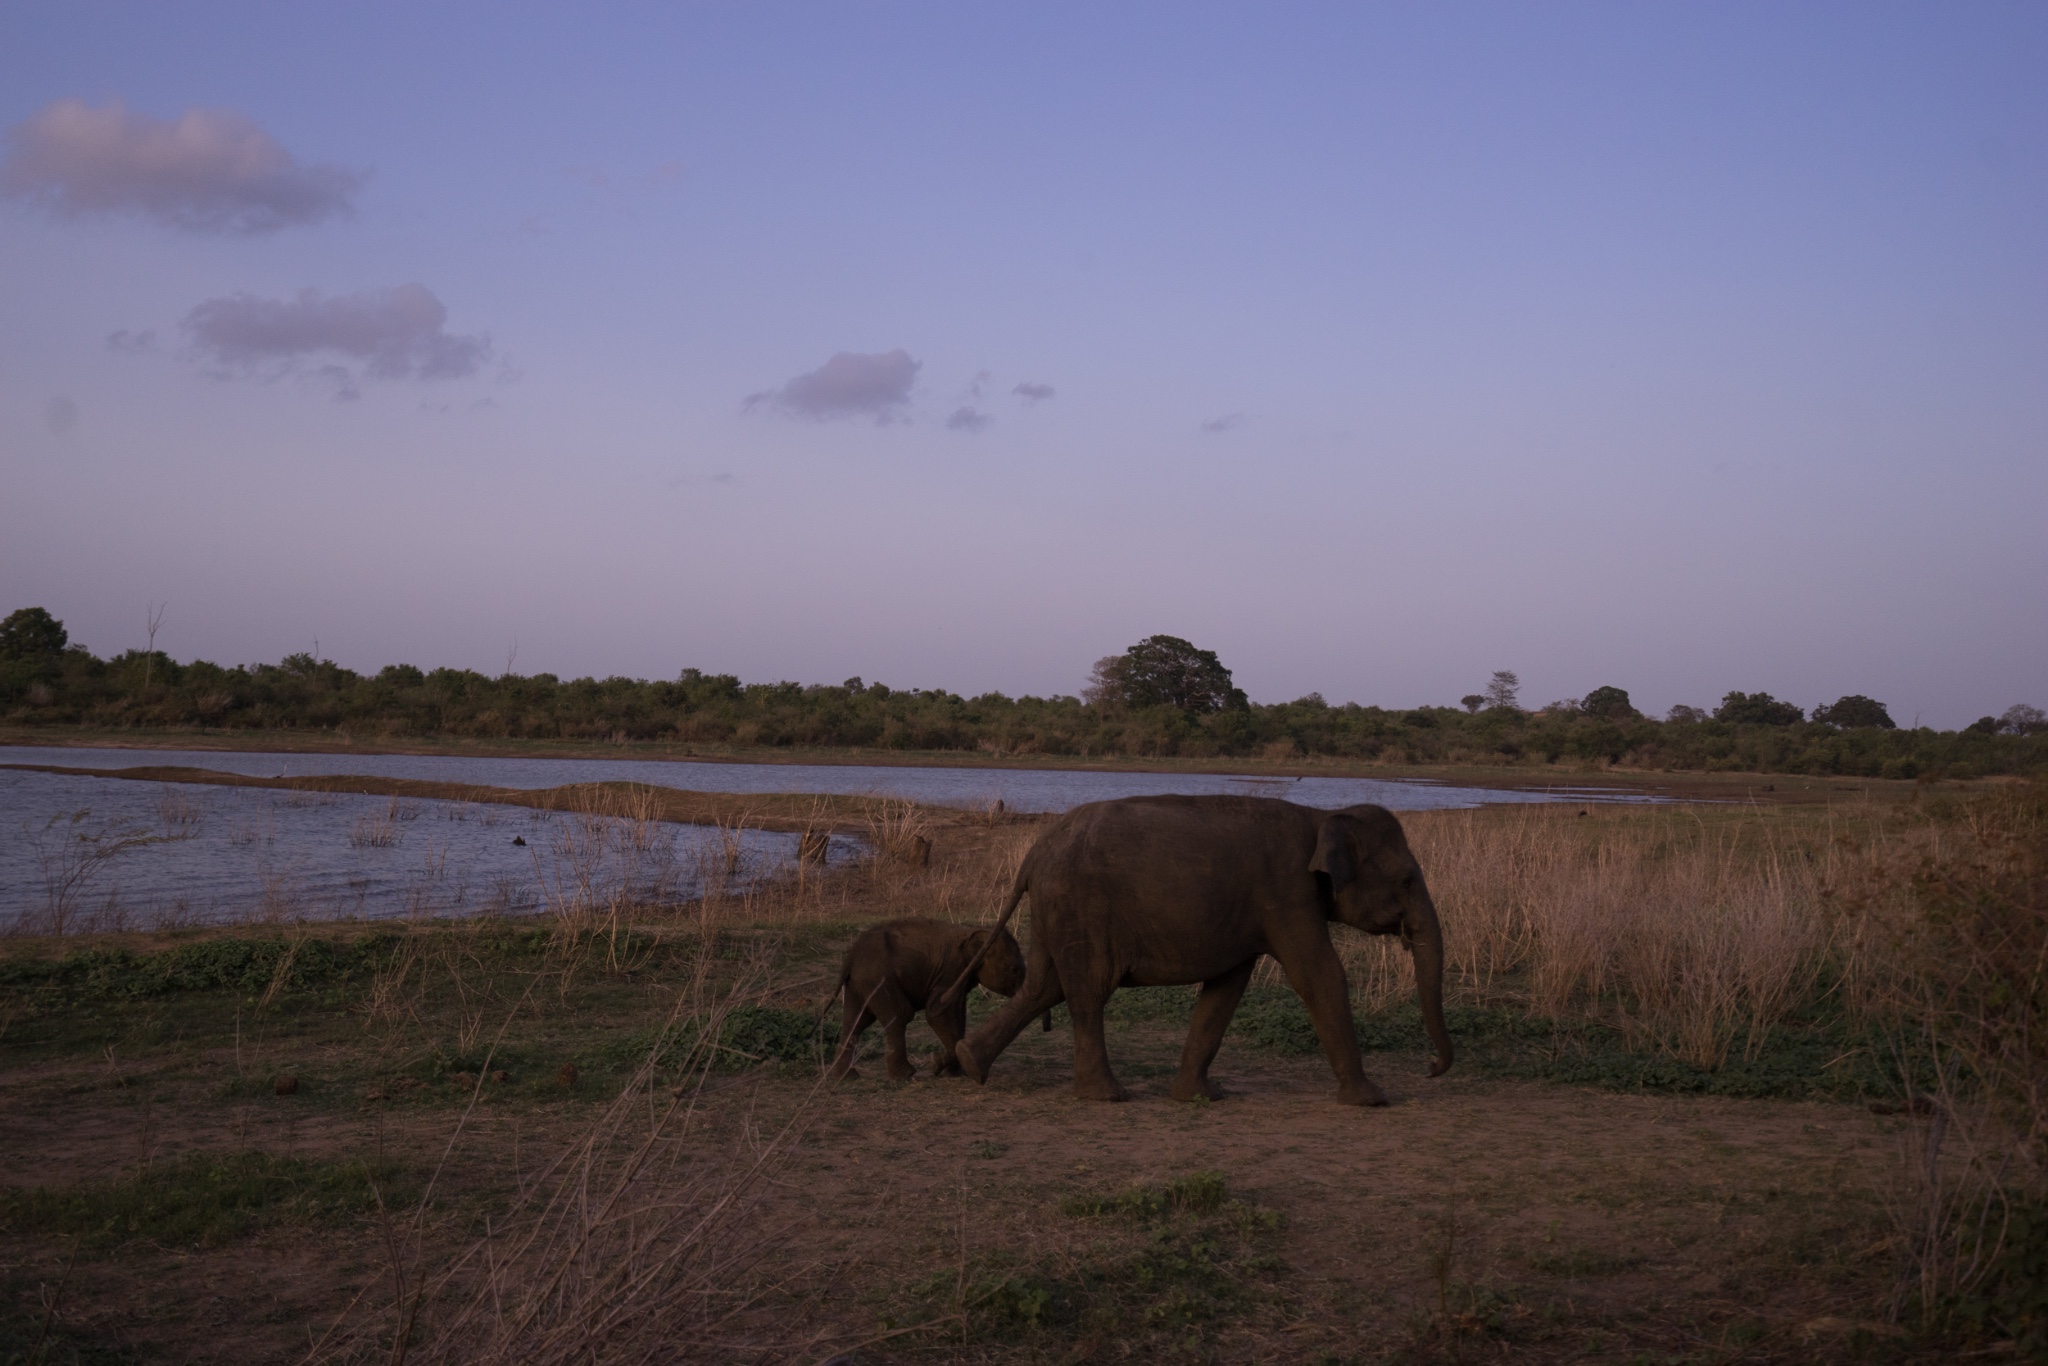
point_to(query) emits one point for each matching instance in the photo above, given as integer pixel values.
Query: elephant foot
(902, 1072)
(946, 1067)
(1201, 1088)
(1360, 1092)
(970, 1062)
(1100, 1088)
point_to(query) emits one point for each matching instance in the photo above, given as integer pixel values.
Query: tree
(1609, 704)
(1684, 715)
(1855, 711)
(1757, 709)
(1472, 701)
(1501, 689)
(2023, 720)
(32, 633)
(1983, 725)
(1164, 671)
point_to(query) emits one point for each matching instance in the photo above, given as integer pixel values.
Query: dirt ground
(1471, 1218)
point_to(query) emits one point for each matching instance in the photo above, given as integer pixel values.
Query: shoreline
(1681, 786)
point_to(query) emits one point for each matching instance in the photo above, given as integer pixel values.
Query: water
(167, 854)
(189, 853)
(1019, 789)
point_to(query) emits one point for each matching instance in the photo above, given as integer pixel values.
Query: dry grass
(658, 1227)
(1957, 917)
(635, 1242)
(1691, 932)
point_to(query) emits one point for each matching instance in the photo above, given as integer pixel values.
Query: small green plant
(204, 1198)
(1199, 1193)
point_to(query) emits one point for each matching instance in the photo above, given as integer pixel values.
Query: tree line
(1161, 698)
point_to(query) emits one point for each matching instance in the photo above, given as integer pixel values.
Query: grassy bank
(1726, 785)
(579, 1135)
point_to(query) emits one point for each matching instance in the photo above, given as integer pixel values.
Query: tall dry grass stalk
(1958, 915)
(1692, 935)
(639, 1241)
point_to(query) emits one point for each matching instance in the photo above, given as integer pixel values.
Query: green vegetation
(1161, 698)
(1192, 1259)
(206, 1199)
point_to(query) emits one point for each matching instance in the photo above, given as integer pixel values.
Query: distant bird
(519, 840)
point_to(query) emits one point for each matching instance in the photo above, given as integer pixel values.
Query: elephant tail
(825, 1006)
(965, 983)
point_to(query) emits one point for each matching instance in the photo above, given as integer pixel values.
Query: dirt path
(1521, 1220)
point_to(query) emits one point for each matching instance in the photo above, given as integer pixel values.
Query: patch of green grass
(1817, 1053)
(205, 1198)
(1199, 1259)
(749, 1035)
(1199, 1193)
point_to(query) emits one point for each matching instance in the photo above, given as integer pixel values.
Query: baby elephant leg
(894, 1010)
(951, 1026)
(852, 1025)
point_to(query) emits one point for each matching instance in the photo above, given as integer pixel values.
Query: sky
(1680, 348)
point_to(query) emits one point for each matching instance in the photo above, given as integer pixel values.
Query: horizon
(1463, 703)
(1687, 351)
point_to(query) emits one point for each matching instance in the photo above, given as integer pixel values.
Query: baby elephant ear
(1333, 857)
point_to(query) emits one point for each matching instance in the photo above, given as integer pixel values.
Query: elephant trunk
(1426, 942)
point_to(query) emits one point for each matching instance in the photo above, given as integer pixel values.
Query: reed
(1691, 935)
(640, 1239)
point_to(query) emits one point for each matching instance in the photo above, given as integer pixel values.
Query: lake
(113, 851)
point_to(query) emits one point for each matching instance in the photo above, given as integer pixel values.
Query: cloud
(968, 420)
(208, 170)
(1033, 393)
(848, 385)
(62, 415)
(1229, 422)
(396, 333)
(135, 342)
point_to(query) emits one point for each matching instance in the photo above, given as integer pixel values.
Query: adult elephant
(1163, 891)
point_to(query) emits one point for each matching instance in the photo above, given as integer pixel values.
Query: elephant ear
(1334, 858)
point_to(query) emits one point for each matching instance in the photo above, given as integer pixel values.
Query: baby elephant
(896, 969)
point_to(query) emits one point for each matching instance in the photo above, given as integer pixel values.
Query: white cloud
(1033, 393)
(1229, 422)
(208, 170)
(124, 340)
(968, 420)
(848, 385)
(396, 333)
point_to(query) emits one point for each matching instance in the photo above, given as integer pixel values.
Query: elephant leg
(895, 1011)
(949, 1025)
(855, 1023)
(1093, 1079)
(1315, 972)
(899, 1049)
(1213, 1009)
(1039, 994)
